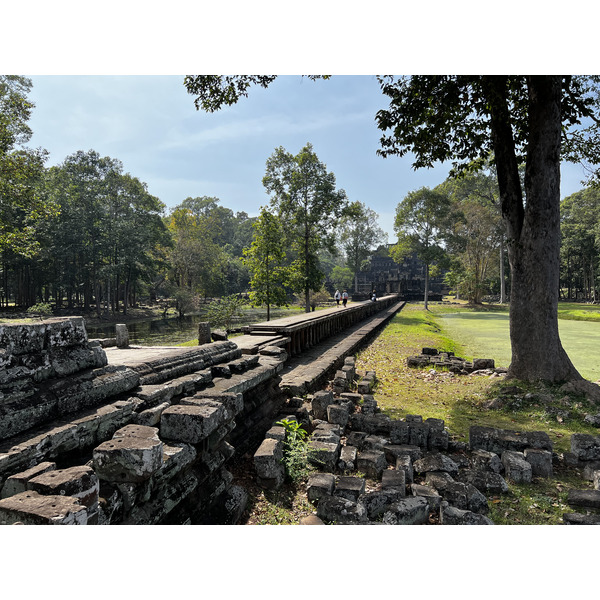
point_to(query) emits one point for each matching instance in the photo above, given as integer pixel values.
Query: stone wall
(87, 442)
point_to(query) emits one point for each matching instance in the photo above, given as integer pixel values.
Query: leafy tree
(478, 234)
(580, 247)
(423, 224)
(265, 259)
(520, 119)
(23, 203)
(360, 235)
(342, 277)
(224, 311)
(304, 194)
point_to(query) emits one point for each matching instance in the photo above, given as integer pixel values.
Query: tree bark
(533, 231)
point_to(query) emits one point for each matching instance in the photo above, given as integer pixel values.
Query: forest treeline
(85, 234)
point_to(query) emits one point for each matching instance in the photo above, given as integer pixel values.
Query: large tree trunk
(534, 233)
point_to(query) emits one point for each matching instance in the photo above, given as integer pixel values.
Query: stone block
(319, 485)
(404, 463)
(580, 519)
(372, 463)
(437, 439)
(31, 508)
(585, 446)
(320, 401)
(267, 459)
(435, 462)
(122, 335)
(338, 415)
(584, 498)
(483, 363)
(429, 493)
(482, 460)
(596, 480)
(347, 460)
(151, 416)
(589, 468)
(191, 423)
(17, 483)
(393, 478)
(394, 450)
(204, 333)
(365, 386)
(375, 442)
(379, 502)
(128, 459)
(408, 511)
(516, 468)
(418, 434)
(277, 432)
(450, 515)
(378, 424)
(499, 440)
(540, 461)
(323, 455)
(340, 511)
(80, 482)
(399, 432)
(487, 482)
(356, 439)
(350, 488)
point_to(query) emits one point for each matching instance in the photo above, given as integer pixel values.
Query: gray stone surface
(584, 498)
(435, 462)
(392, 478)
(267, 459)
(340, 511)
(31, 508)
(323, 455)
(429, 493)
(347, 460)
(350, 488)
(380, 501)
(540, 461)
(408, 511)
(191, 423)
(516, 468)
(128, 458)
(404, 464)
(319, 485)
(482, 460)
(372, 463)
(487, 482)
(450, 515)
(17, 483)
(585, 446)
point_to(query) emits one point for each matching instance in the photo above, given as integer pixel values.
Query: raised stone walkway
(305, 373)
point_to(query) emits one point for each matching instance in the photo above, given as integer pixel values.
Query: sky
(151, 125)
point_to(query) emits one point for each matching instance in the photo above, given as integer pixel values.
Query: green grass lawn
(486, 335)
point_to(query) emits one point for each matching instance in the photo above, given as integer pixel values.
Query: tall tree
(265, 258)
(463, 119)
(478, 234)
(423, 223)
(305, 197)
(360, 234)
(519, 119)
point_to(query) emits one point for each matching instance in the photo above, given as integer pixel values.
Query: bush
(42, 309)
(295, 451)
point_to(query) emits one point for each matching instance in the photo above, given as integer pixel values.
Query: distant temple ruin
(386, 276)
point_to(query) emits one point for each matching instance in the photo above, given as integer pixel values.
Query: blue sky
(151, 125)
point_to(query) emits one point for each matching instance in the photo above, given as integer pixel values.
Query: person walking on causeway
(344, 298)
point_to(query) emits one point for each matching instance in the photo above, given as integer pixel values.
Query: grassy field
(462, 401)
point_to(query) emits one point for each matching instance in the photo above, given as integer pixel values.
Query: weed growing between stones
(295, 451)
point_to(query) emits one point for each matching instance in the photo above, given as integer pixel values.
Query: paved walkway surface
(305, 373)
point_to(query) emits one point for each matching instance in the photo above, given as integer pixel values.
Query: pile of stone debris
(371, 469)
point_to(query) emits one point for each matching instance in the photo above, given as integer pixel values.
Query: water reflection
(173, 331)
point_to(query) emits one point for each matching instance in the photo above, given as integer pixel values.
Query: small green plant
(42, 309)
(295, 450)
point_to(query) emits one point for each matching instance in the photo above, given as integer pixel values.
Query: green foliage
(423, 223)
(360, 235)
(265, 259)
(295, 450)
(224, 311)
(304, 195)
(342, 277)
(41, 309)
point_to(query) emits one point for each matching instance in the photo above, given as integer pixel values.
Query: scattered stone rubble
(371, 469)
(431, 357)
